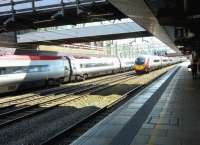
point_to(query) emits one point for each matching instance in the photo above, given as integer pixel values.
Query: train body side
(25, 71)
(83, 68)
(147, 63)
(126, 64)
(18, 70)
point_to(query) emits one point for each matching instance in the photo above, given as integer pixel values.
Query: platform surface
(165, 113)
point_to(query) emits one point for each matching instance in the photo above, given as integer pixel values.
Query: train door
(67, 70)
(147, 64)
(120, 64)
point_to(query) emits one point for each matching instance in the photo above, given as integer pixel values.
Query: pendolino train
(147, 63)
(25, 71)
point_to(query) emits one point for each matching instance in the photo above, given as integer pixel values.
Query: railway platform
(164, 113)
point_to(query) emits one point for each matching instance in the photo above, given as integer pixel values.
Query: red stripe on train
(26, 57)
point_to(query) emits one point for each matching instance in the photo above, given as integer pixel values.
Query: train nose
(139, 67)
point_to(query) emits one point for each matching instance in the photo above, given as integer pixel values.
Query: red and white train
(25, 71)
(147, 63)
(19, 71)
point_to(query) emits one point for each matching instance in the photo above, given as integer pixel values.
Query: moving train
(26, 71)
(22, 71)
(147, 63)
(18, 71)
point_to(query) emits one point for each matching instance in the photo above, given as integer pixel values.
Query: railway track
(72, 132)
(102, 112)
(46, 103)
(12, 102)
(69, 134)
(40, 124)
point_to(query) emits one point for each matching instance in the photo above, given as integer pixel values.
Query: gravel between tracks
(16, 95)
(37, 129)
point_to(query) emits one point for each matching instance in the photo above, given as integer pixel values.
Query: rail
(19, 114)
(90, 118)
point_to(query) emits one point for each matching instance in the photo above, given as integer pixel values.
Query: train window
(40, 68)
(2, 71)
(89, 65)
(44, 68)
(23, 69)
(16, 70)
(32, 69)
(12, 70)
(156, 60)
(140, 60)
(129, 63)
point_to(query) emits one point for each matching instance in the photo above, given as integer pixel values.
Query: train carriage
(146, 63)
(25, 71)
(86, 67)
(22, 71)
(126, 64)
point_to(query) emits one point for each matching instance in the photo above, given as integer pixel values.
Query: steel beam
(85, 34)
(138, 11)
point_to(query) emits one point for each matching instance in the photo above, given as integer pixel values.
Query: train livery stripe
(147, 64)
(26, 57)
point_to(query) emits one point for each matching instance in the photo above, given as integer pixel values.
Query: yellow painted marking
(139, 67)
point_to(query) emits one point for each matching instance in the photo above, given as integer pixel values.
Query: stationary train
(147, 63)
(25, 71)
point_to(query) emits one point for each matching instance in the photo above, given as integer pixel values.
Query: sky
(38, 3)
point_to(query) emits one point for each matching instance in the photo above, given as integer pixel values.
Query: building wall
(73, 49)
(7, 39)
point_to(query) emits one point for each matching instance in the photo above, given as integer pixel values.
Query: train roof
(28, 57)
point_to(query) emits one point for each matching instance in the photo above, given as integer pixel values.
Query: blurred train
(25, 71)
(147, 63)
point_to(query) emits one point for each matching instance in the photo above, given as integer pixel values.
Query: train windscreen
(140, 61)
